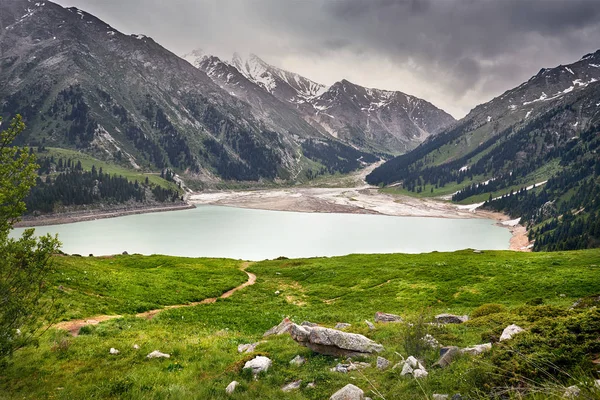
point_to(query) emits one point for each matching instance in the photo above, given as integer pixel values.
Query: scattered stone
(420, 373)
(248, 348)
(113, 351)
(447, 355)
(477, 349)
(572, 392)
(384, 317)
(406, 369)
(431, 341)
(342, 325)
(370, 325)
(413, 362)
(342, 368)
(298, 360)
(510, 331)
(280, 329)
(477, 251)
(311, 385)
(440, 396)
(258, 364)
(451, 318)
(158, 354)
(231, 387)
(308, 323)
(18, 331)
(382, 363)
(136, 347)
(457, 396)
(277, 292)
(597, 383)
(333, 342)
(292, 386)
(348, 392)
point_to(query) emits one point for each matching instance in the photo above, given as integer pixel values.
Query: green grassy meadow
(536, 291)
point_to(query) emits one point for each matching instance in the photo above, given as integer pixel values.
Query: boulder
(280, 329)
(413, 367)
(447, 354)
(370, 325)
(113, 351)
(258, 364)
(333, 342)
(248, 348)
(384, 317)
(348, 392)
(436, 396)
(451, 318)
(382, 363)
(342, 325)
(477, 349)
(158, 354)
(510, 331)
(231, 387)
(298, 360)
(292, 386)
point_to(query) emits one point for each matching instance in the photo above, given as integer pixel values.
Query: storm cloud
(454, 53)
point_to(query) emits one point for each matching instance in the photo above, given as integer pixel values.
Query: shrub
(487, 309)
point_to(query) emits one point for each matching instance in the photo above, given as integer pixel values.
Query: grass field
(536, 290)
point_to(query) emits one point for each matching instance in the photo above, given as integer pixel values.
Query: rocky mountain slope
(79, 83)
(546, 129)
(370, 119)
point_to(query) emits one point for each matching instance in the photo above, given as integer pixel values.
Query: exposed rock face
(158, 354)
(292, 386)
(258, 364)
(280, 329)
(385, 317)
(510, 331)
(333, 342)
(477, 349)
(382, 363)
(451, 318)
(348, 392)
(231, 387)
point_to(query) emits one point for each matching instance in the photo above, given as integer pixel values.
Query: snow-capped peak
(195, 57)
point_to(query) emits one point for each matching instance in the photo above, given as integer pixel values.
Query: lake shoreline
(91, 215)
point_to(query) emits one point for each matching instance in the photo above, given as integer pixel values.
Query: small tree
(24, 262)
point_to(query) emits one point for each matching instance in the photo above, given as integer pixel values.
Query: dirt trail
(75, 325)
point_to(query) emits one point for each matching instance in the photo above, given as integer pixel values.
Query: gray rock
(451, 318)
(280, 329)
(311, 385)
(420, 373)
(370, 325)
(333, 342)
(436, 396)
(572, 392)
(308, 323)
(248, 348)
(342, 325)
(258, 364)
(447, 356)
(382, 363)
(477, 349)
(292, 386)
(406, 369)
(298, 360)
(341, 368)
(384, 317)
(348, 392)
(113, 351)
(231, 387)
(431, 341)
(457, 397)
(158, 354)
(510, 331)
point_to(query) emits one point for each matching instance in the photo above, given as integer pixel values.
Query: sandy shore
(90, 215)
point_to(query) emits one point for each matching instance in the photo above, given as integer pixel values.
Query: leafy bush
(487, 309)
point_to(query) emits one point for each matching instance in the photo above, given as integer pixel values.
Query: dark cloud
(455, 53)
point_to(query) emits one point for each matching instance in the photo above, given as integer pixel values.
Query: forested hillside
(495, 153)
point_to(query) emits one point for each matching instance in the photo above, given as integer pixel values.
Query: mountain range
(79, 83)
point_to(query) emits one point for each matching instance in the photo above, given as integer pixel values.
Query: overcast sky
(453, 53)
